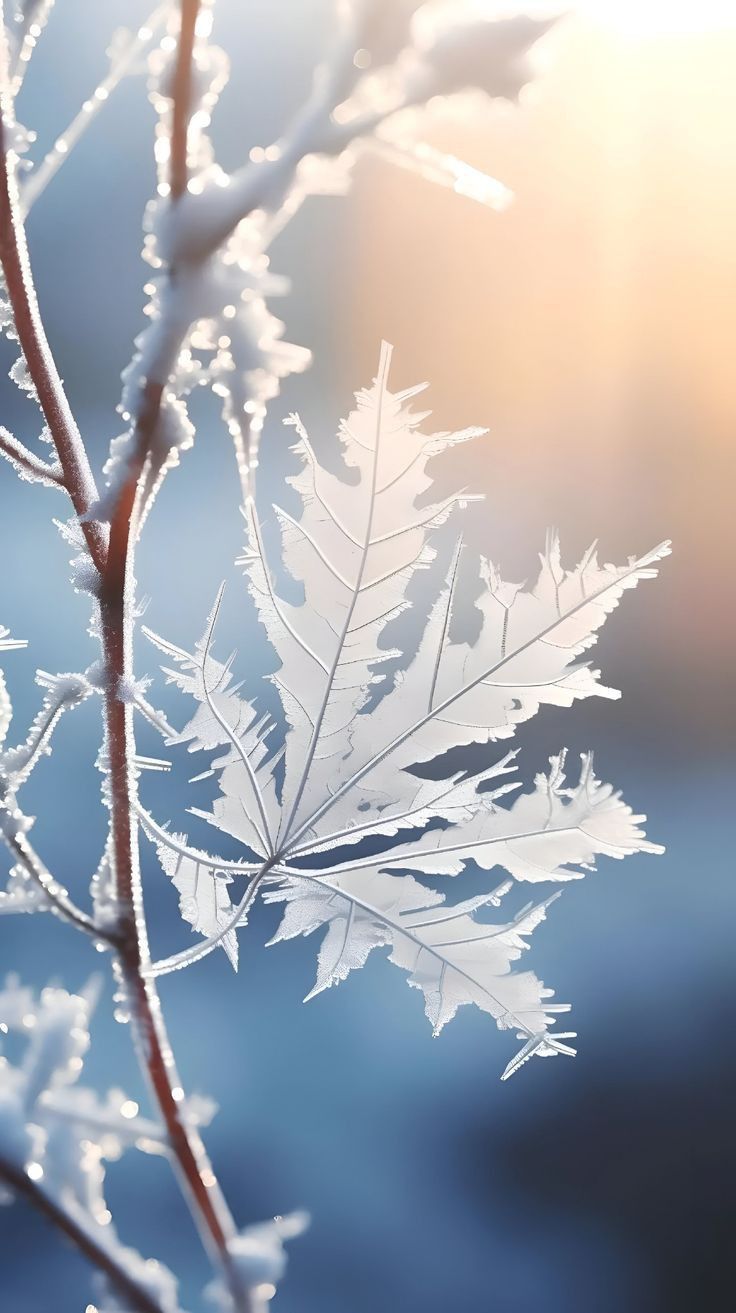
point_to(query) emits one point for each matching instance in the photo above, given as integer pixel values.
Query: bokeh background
(592, 328)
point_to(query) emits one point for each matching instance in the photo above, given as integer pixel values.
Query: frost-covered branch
(113, 563)
(126, 500)
(62, 693)
(14, 828)
(90, 1242)
(124, 59)
(27, 463)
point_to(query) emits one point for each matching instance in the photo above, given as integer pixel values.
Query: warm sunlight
(658, 17)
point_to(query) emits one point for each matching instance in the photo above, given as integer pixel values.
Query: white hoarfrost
(59, 1133)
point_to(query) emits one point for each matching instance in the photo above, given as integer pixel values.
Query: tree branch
(132, 1293)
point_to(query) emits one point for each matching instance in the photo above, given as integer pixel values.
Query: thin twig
(126, 1286)
(36, 183)
(56, 895)
(20, 455)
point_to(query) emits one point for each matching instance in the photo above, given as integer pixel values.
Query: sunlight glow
(647, 18)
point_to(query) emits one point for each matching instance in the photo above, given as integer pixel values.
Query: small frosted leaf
(204, 901)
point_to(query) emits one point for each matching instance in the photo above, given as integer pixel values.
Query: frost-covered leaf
(204, 900)
(354, 549)
(355, 924)
(226, 721)
(202, 883)
(553, 833)
(470, 45)
(61, 1132)
(452, 956)
(357, 737)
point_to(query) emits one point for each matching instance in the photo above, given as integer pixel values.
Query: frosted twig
(37, 182)
(29, 465)
(444, 170)
(89, 1242)
(63, 692)
(13, 835)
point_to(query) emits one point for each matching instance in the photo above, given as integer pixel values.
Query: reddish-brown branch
(116, 599)
(132, 1293)
(116, 606)
(182, 98)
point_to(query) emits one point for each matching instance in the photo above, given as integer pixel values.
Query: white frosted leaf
(204, 900)
(248, 806)
(352, 916)
(354, 549)
(552, 833)
(356, 737)
(449, 954)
